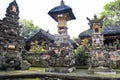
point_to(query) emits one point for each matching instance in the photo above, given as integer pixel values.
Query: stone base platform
(60, 69)
(103, 71)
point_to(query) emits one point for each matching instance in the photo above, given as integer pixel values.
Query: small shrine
(37, 47)
(11, 43)
(61, 56)
(40, 36)
(99, 59)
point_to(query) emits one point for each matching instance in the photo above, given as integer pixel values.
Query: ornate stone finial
(13, 9)
(95, 20)
(62, 2)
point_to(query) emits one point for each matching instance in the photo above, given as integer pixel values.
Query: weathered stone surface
(11, 43)
(61, 55)
(99, 58)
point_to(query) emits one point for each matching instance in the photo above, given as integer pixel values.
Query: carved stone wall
(11, 43)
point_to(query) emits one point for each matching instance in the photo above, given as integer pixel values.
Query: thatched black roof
(60, 10)
(47, 36)
(110, 30)
(41, 34)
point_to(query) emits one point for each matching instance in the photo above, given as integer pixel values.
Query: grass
(82, 67)
(32, 69)
(31, 79)
(107, 75)
(37, 69)
(77, 72)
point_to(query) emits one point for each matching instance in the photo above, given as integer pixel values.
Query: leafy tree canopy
(111, 12)
(28, 28)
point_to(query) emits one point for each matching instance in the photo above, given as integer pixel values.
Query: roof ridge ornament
(95, 20)
(62, 2)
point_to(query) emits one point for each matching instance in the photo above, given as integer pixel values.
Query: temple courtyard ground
(35, 73)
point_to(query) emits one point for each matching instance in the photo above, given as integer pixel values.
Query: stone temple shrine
(99, 60)
(11, 43)
(62, 58)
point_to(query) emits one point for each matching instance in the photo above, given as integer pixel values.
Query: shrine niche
(11, 43)
(13, 9)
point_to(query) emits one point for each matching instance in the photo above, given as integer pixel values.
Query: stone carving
(13, 9)
(61, 54)
(11, 43)
(99, 59)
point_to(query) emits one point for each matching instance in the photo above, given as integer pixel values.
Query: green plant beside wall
(35, 52)
(82, 52)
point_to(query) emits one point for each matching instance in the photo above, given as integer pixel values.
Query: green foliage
(80, 56)
(28, 28)
(82, 67)
(25, 65)
(85, 44)
(81, 53)
(118, 44)
(36, 48)
(33, 59)
(35, 52)
(111, 12)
